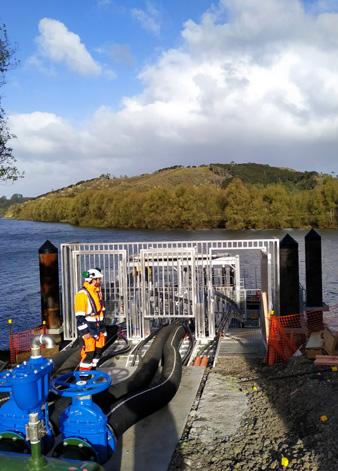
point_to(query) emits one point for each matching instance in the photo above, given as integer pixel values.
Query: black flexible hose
(138, 380)
(134, 407)
(69, 363)
(138, 349)
(185, 359)
(68, 360)
(141, 377)
(111, 352)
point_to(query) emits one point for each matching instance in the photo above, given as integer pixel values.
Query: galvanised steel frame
(145, 282)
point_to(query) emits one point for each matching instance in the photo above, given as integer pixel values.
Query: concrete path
(149, 444)
(220, 410)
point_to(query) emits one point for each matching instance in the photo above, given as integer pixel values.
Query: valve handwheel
(79, 383)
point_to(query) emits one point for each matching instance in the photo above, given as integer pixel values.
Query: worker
(89, 312)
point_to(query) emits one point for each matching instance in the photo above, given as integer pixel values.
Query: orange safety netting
(286, 334)
(20, 342)
(314, 320)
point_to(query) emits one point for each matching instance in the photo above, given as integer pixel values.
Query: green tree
(238, 203)
(278, 209)
(330, 196)
(8, 170)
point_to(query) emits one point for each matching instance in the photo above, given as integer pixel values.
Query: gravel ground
(289, 416)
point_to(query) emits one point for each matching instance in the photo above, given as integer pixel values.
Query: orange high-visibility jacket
(89, 310)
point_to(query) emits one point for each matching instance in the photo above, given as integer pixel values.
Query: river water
(19, 262)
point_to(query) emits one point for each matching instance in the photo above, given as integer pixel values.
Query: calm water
(19, 264)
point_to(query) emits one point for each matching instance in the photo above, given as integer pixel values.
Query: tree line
(237, 206)
(5, 202)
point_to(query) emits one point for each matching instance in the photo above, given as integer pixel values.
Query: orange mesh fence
(286, 334)
(21, 342)
(314, 320)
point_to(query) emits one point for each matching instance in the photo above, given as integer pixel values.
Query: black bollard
(49, 285)
(313, 266)
(289, 276)
(314, 288)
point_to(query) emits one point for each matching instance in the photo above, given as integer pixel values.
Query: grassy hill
(164, 178)
(266, 175)
(230, 195)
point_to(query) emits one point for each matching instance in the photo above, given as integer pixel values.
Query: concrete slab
(150, 443)
(220, 410)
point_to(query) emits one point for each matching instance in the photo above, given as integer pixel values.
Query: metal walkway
(242, 342)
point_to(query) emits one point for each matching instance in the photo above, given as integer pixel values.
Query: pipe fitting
(43, 339)
(34, 429)
(35, 351)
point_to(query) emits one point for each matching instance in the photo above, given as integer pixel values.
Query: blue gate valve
(28, 387)
(83, 423)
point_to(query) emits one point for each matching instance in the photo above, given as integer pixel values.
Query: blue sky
(103, 26)
(127, 87)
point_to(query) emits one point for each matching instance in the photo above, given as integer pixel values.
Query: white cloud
(117, 52)
(59, 44)
(36, 62)
(148, 18)
(41, 134)
(254, 80)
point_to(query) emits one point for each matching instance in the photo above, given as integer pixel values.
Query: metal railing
(147, 282)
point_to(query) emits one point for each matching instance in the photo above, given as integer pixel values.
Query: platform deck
(150, 443)
(242, 342)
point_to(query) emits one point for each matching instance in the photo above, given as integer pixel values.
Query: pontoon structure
(148, 283)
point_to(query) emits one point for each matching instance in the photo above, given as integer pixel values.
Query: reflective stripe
(95, 361)
(94, 318)
(91, 318)
(80, 313)
(83, 326)
(86, 365)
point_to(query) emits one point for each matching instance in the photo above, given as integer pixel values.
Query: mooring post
(313, 272)
(49, 286)
(289, 276)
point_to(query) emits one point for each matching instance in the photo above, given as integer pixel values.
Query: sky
(129, 86)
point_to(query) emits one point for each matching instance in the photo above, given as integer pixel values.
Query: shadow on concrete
(151, 442)
(147, 445)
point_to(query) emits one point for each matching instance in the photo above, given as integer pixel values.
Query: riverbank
(236, 196)
(291, 414)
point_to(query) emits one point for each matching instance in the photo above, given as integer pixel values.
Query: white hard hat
(92, 274)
